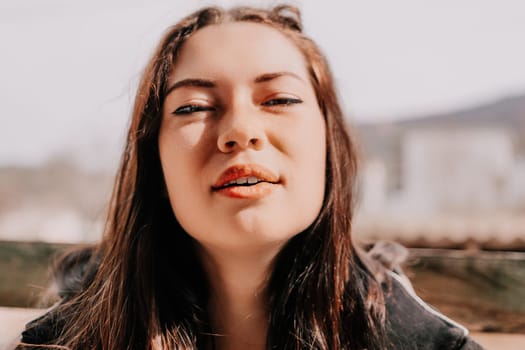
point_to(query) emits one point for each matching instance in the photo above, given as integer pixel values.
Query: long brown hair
(145, 287)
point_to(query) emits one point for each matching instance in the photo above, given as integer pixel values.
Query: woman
(229, 223)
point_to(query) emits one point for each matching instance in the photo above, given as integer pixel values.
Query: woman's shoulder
(410, 322)
(43, 330)
(413, 324)
(70, 276)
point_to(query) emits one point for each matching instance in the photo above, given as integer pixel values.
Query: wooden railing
(483, 290)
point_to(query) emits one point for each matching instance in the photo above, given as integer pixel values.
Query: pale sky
(69, 69)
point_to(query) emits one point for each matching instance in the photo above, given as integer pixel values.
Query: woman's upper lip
(245, 170)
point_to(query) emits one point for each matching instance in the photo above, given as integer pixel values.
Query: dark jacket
(410, 323)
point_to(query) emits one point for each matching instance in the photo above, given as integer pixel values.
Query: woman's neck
(238, 302)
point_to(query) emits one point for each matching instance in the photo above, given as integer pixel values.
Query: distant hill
(508, 112)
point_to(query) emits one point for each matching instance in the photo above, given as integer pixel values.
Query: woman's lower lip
(259, 190)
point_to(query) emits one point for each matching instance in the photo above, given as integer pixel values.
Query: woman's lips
(266, 181)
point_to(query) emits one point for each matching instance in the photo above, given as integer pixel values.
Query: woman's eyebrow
(270, 76)
(191, 82)
(205, 83)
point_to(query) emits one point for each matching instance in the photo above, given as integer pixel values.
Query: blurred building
(452, 179)
(463, 170)
(458, 171)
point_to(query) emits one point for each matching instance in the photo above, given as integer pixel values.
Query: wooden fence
(483, 290)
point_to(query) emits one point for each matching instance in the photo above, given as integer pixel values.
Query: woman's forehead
(238, 50)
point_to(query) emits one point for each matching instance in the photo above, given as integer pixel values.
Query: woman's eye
(189, 109)
(282, 102)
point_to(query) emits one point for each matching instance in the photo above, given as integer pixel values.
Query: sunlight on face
(242, 139)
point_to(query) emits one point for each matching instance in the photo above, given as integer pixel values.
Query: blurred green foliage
(24, 272)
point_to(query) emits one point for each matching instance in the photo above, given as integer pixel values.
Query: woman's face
(242, 140)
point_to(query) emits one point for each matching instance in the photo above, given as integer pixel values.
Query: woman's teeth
(250, 180)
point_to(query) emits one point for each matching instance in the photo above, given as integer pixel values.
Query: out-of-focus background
(434, 90)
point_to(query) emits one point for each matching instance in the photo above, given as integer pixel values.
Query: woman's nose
(241, 129)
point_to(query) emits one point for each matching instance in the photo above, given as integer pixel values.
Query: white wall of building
(459, 170)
